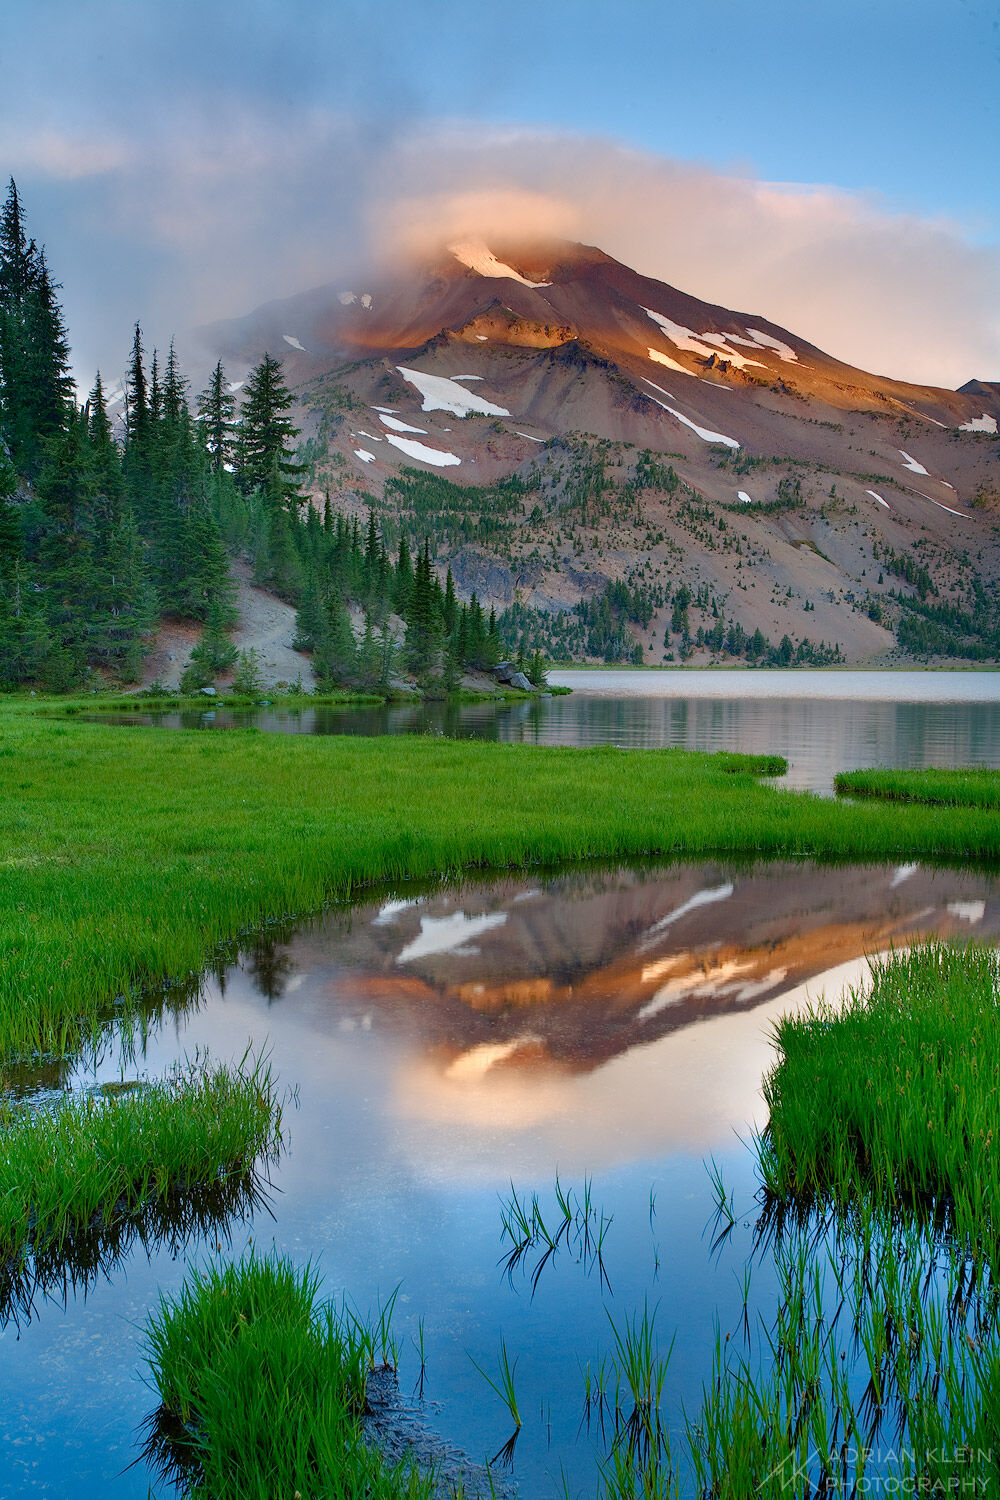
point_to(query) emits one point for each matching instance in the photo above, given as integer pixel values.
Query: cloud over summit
(216, 215)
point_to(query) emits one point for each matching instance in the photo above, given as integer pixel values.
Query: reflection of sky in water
(822, 722)
(607, 1023)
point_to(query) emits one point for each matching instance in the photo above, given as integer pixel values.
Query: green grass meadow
(129, 855)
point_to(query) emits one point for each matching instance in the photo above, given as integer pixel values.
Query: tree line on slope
(100, 536)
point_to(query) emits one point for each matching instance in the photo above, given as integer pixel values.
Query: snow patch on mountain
(346, 298)
(705, 433)
(912, 464)
(878, 498)
(660, 388)
(985, 423)
(413, 449)
(479, 258)
(742, 495)
(290, 339)
(396, 424)
(366, 458)
(671, 364)
(366, 300)
(686, 339)
(441, 394)
(783, 351)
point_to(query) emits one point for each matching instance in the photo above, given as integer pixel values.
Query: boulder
(504, 671)
(518, 680)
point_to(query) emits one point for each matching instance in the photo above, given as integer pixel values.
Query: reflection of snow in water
(473, 1064)
(903, 872)
(967, 911)
(448, 934)
(722, 982)
(387, 912)
(700, 898)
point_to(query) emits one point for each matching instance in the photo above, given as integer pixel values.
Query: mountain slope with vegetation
(566, 430)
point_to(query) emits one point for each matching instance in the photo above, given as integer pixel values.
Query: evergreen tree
(35, 386)
(403, 587)
(335, 654)
(265, 436)
(422, 616)
(216, 409)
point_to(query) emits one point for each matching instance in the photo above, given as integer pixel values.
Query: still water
(822, 722)
(445, 1042)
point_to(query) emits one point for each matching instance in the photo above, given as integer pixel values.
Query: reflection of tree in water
(59, 1268)
(270, 967)
(123, 1030)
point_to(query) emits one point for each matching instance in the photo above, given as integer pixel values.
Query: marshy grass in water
(578, 1226)
(892, 1096)
(89, 1160)
(262, 1390)
(975, 787)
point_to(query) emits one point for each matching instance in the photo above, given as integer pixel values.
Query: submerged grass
(126, 857)
(262, 1390)
(975, 787)
(88, 1162)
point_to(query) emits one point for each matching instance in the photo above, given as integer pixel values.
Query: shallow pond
(822, 722)
(444, 1042)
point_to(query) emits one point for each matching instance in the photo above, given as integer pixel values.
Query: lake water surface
(445, 1042)
(822, 722)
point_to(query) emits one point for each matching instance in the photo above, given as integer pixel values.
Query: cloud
(892, 293)
(219, 213)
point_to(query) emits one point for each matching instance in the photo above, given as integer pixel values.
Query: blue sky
(179, 157)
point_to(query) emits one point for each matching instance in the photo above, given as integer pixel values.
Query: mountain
(579, 425)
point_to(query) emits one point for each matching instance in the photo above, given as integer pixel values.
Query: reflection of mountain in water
(569, 972)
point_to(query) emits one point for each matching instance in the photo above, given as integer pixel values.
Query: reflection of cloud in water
(449, 934)
(693, 1090)
(903, 872)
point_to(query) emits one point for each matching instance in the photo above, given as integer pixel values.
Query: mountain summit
(655, 437)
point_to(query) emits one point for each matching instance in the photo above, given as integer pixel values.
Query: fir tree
(216, 409)
(265, 436)
(35, 386)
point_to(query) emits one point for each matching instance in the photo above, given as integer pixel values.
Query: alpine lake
(581, 1045)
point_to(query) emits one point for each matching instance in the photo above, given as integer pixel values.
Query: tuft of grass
(974, 787)
(892, 1097)
(503, 1385)
(87, 1162)
(262, 1390)
(734, 761)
